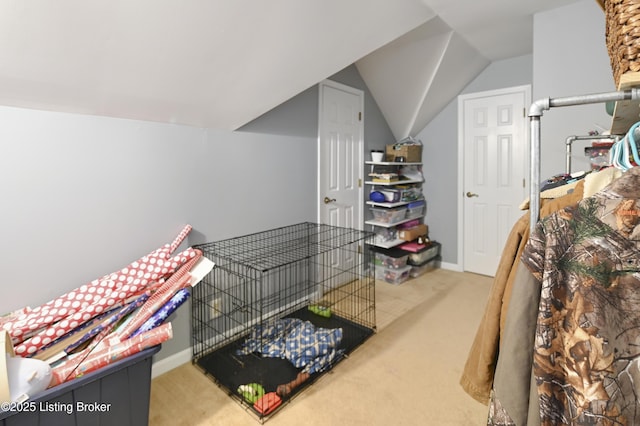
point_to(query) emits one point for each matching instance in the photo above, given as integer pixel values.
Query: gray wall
(377, 133)
(296, 117)
(299, 115)
(570, 58)
(83, 196)
(288, 118)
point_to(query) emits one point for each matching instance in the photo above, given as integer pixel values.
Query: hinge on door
(359, 249)
(524, 112)
(524, 183)
(360, 116)
(359, 183)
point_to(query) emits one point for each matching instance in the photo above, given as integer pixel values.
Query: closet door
(494, 144)
(340, 171)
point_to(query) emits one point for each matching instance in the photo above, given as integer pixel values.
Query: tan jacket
(477, 376)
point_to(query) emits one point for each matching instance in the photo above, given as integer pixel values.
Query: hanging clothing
(571, 347)
(479, 369)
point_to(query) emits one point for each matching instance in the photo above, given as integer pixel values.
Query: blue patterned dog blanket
(300, 342)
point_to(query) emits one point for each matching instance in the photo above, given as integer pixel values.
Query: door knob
(328, 200)
(471, 194)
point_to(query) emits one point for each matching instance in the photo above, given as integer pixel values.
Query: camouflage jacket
(586, 352)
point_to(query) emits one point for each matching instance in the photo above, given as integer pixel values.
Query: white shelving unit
(392, 185)
(395, 261)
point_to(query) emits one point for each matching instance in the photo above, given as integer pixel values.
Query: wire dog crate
(281, 307)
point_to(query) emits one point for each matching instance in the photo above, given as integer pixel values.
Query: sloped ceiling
(206, 63)
(222, 63)
(415, 76)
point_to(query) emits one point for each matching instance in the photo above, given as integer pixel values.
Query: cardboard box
(413, 233)
(411, 153)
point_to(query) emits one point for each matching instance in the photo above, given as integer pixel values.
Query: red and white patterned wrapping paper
(33, 344)
(87, 361)
(57, 317)
(176, 282)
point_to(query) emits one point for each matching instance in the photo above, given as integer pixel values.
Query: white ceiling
(221, 64)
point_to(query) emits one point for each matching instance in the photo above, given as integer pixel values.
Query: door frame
(526, 89)
(360, 159)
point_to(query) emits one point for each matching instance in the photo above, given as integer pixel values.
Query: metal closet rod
(571, 139)
(535, 113)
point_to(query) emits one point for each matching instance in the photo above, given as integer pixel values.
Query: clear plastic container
(393, 276)
(389, 216)
(391, 261)
(425, 255)
(416, 271)
(415, 209)
(385, 235)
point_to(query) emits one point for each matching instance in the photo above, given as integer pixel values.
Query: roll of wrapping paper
(110, 300)
(107, 326)
(170, 284)
(86, 363)
(138, 274)
(105, 332)
(178, 281)
(164, 312)
(58, 345)
(150, 307)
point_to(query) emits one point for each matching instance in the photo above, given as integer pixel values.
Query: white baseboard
(451, 266)
(169, 363)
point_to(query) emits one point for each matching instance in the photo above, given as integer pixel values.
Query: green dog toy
(323, 311)
(251, 392)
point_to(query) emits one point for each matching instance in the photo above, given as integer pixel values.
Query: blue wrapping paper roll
(110, 322)
(164, 312)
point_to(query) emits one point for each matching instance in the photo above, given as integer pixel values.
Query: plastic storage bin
(393, 276)
(391, 259)
(117, 394)
(385, 235)
(411, 193)
(415, 209)
(427, 254)
(389, 216)
(416, 271)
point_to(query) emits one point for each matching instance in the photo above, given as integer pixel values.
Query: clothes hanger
(625, 153)
(632, 143)
(615, 154)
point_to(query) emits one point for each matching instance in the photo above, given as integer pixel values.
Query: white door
(341, 162)
(493, 142)
(341, 168)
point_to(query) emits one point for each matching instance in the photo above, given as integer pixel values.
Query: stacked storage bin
(422, 261)
(391, 265)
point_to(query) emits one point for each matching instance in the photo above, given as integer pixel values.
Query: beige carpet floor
(405, 374)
